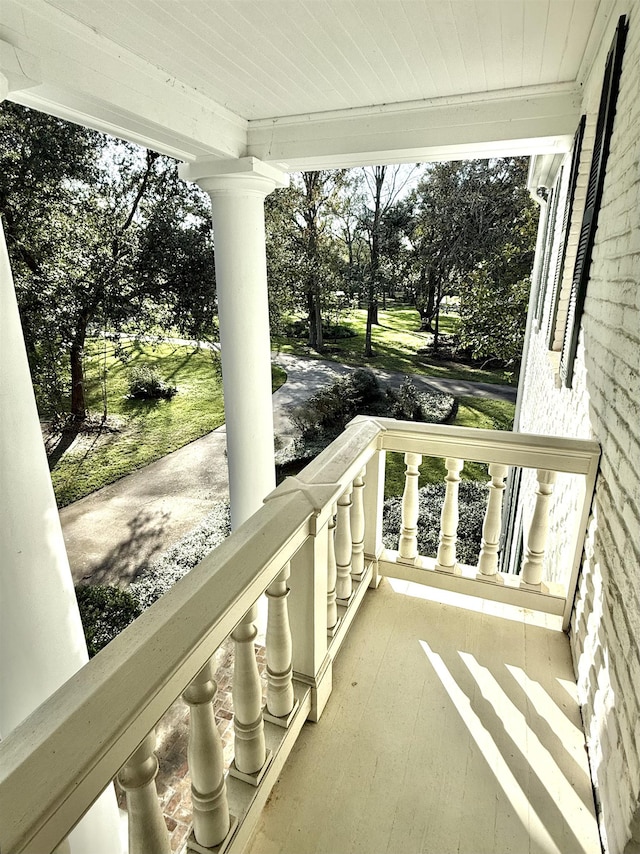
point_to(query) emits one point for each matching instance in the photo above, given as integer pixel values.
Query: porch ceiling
(330, 82)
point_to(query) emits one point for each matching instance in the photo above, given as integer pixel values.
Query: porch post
(238, 189)
(41, 639)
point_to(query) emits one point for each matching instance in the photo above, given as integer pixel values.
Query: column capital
(18, 70)
(218, 176)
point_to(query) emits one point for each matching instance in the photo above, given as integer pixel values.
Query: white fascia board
(514, 122)
(91, 81)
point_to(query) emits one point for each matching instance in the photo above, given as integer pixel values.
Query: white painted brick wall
(604, 403)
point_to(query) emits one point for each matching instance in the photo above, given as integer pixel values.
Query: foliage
(408, 404)
(145, 383)
(472, 503)
(101, 234)
(469, 216)
(493, 311)
(325, 415)
(163, 573)
(146, 429)
(302, 260)
(105, 611)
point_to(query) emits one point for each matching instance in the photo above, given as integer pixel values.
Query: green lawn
(396, 342)
(146, 430)
(140, 432)
(472, 412)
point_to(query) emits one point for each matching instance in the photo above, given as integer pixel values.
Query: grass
(146, 429)
(396, 342)
(472, 412)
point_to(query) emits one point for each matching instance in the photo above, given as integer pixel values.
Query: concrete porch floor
(450, 729)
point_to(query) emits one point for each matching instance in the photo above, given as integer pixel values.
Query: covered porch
(444, 707)
(432, 727)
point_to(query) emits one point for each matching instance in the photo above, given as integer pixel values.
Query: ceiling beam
(527, 121)
(87, 79)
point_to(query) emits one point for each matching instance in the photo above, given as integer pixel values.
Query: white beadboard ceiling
(262, 59)
(310, 83)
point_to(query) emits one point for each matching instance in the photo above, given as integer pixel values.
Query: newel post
(308, 594)
(373, 506)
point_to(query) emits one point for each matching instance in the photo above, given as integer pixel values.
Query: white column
(238, 189)
(41, 639)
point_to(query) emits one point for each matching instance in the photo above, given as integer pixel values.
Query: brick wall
(604, 403)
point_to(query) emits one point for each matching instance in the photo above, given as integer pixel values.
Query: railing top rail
(555, 453)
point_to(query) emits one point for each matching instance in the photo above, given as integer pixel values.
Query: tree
(317, 198)
(468, 216)
(385, 184)
(99, 232)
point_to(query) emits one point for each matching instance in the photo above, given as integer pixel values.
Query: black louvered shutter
(544, 266)
(604, 127)
(566, 225)
(549, 231)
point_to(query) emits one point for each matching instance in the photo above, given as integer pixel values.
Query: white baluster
(206, 762)
(147, 829)
(408, 545)
(344, 545)
(446, 559)
(488, 560)
(249, 745)
(357, 526)
(280, 697)
(539, 529)
(332, 573)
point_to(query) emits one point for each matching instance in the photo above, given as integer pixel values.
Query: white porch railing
(314, 547)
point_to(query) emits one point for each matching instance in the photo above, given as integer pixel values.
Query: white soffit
(329, 80)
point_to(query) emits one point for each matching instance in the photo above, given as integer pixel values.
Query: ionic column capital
(245, 175)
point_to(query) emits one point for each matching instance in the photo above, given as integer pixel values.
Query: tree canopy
(101, 234)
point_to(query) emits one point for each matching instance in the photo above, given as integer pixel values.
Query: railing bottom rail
(508, 589)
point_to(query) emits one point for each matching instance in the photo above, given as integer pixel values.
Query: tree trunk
(78, 403)
(314, 316)
(372, 317)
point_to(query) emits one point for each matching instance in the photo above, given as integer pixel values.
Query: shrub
(105, 611)
(325, 415)
(145, 383)
(472, 503)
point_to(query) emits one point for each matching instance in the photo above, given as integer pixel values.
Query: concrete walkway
(115, 532)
